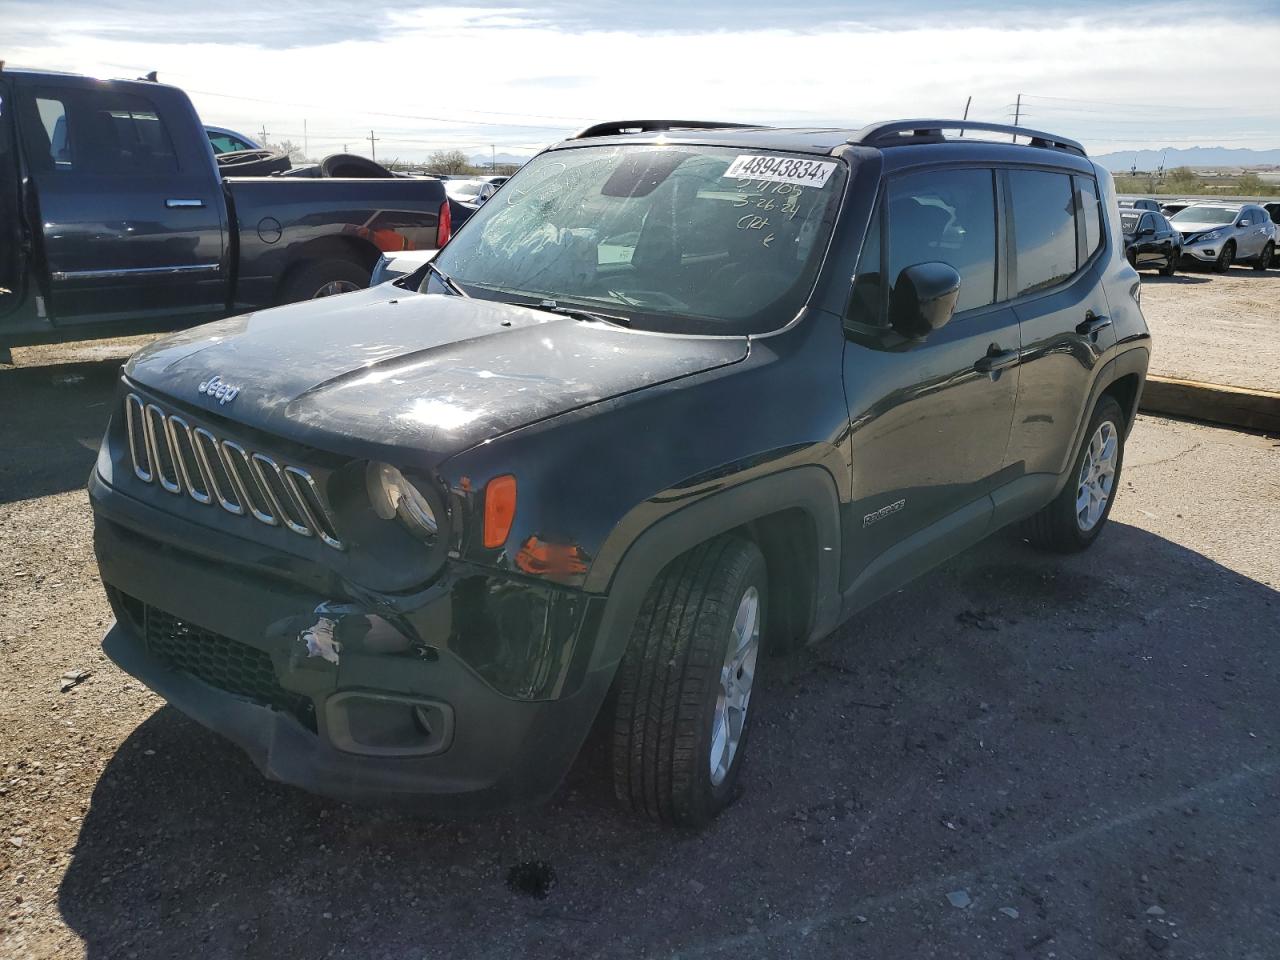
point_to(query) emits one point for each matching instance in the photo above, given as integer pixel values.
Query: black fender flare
(628, 568)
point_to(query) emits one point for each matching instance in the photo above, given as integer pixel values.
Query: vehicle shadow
(1178, 279)
(54, 418)
(1035, 731)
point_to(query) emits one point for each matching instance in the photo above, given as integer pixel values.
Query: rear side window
(101, 132)
(1044, 228)
(948, 216)
(1090, 214)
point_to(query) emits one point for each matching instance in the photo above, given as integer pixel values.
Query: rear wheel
(323, 278)
(682, 711)
(1264, 258)
(1075, 517)
(1225, 258)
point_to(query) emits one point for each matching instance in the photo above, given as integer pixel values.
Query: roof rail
(903, 132)
(611, 128)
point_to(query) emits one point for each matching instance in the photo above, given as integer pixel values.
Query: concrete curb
(1215, 402)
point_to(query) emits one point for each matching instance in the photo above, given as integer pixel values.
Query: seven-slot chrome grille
(182, 458)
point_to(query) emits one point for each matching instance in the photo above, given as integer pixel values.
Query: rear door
(1060, 249)
(930, 420)
(132, 218)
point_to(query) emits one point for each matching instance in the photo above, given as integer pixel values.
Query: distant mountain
(484, 159)
(1123, 161)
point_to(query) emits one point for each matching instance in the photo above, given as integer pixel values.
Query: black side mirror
(924, 298)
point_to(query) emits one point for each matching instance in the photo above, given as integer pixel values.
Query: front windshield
(674, 237)
(1206, 215)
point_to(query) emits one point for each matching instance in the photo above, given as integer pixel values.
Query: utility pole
(305, 152)
(493, 162)
(373, 151)
(1017, 113)
(264, 134)
(968, 103)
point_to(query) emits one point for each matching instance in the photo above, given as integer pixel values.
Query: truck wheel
(323, 278)
(1075, 517)
(681, 715)
(1264, 258)
(251, 163)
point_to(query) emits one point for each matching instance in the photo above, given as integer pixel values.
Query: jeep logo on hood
(219, 389)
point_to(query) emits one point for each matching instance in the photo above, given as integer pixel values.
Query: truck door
(132, 218)
(13, 242)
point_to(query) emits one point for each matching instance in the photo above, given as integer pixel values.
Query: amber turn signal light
(499, 509)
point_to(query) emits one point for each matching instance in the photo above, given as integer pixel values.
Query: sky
(506, 78)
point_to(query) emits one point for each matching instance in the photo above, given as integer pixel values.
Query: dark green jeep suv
(678, 396)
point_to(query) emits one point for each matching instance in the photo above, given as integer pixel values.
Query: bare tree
(290, 149)
(450, 162)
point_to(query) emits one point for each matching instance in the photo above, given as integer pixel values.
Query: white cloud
(457, 62)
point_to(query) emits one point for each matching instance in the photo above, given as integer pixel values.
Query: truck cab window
(101, 132)
(53, 120)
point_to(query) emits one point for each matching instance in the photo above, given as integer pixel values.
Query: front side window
(1044, 228)
(101, 132)
(676, 237)
(947, 216)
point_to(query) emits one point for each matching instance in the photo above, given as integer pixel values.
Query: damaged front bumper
(472, 694)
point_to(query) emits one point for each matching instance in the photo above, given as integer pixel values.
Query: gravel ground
(1216, 329)
(1019, 756)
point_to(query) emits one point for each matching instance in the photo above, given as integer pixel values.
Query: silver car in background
(1220, 234)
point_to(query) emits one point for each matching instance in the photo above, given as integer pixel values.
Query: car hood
(423, 375)
(1190, 226)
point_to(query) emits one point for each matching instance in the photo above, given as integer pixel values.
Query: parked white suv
(1220, 234)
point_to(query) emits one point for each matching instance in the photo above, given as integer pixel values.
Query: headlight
(393, 495)
(1209, 237)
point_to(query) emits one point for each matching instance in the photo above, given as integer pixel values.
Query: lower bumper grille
(221, 662)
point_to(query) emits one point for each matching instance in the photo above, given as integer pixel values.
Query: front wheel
(1225, 258)
(1075, 517)
(683, 695)
(1264, 258)
(1171, 267)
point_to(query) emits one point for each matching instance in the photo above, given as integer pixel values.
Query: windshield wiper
(448, 281)
(579, 313)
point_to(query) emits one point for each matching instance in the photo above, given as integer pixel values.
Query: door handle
(996, 359)
(1092, 325)
(174, 203)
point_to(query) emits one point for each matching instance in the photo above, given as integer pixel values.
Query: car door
(1165, 238)
(132, 221)
(929, 419)
(1145, 246)
(1060, 248)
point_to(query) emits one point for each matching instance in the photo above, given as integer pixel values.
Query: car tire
(1264, 258)
(251, 163)
(1171, 268)
(681, 712)
(351, 165)
(322, 278)
(1225, 258)
(1064, 526)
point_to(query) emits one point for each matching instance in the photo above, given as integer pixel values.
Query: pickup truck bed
(114, 218)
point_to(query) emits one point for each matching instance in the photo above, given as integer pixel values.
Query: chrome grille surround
(165, 448)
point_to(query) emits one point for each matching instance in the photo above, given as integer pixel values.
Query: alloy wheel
(736, 676)
(334, 287)
(1097, 476)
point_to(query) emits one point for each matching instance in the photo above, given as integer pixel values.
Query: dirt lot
(1086, 751)
(1216, 329)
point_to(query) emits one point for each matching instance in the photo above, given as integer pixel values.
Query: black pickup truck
(114, 218)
